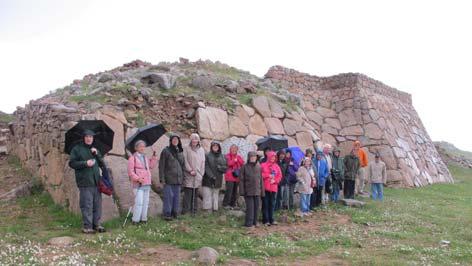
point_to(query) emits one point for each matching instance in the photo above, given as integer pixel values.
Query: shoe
(88, 231)
(274, 223)
(143, 222)
(249, 226)
(256, 225)
(135, 223)
(168, 218)
(100, 229)
(267, 224)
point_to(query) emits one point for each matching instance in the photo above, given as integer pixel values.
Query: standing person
(306, 181)
(86, 160)
(139, 171)
(251, 187)
(171, 174)
(329, 162)
(337, 175)
(309, 153)
(362, 174)
(215, 167)
(291, 176)
(194, 169)
(351, 168)
(234, 162)
(377, 177)
(271, 174)
(266, 150)
(282, 192)
(321, 167)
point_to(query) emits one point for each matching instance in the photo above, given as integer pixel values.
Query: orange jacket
(363, 158)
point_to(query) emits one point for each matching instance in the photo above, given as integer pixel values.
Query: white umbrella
(244, 146)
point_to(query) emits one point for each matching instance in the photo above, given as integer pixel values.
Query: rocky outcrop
(225, 104)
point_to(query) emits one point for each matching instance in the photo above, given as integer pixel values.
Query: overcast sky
(421, 47)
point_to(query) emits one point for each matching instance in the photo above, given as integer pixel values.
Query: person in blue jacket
(321, 167)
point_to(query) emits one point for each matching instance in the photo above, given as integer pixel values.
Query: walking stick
(127, 215)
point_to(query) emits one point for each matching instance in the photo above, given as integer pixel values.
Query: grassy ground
(406, 229)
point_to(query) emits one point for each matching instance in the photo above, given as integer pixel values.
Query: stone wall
(4, 133)
(349, 107)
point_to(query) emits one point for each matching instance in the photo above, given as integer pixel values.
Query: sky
(421, 47)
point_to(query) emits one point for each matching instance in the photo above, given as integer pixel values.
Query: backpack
(105, 185)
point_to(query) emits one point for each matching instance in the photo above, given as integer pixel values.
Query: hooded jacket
(322, 172)
(271, 173)
(215, 167)
(194, 161)
(305, 179)
(351, 167)
(251, 179)
(234, 162)
(172, 163)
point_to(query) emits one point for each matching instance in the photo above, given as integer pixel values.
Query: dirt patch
(320, 260)
(299, 227)
(161, 254)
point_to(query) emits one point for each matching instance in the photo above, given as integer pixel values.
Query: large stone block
(212, 123)
(257, 126)
(274, 126)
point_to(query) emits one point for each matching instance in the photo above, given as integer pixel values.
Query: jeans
(335, 194)
(268, 207)
(252, 210)
(349, 186)
(285, 197)
(210, 198)
(190, 194)
(231, 194)
(377, 191)
(141, 203)
(305, 202)
(90, 201)
(171, 200)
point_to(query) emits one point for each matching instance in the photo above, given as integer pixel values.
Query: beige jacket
(194, 161)
(305, 179)
(377, 172)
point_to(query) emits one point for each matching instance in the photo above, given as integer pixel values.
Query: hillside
(451, 154)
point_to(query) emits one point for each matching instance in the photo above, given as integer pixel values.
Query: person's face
(309, 155)
(272, 159)
(194, 142)
(140, 148)
(288, 155)
(307, 163)
(326, 150)
(281, 156)
(266, 152)
(377, 159)
(233, 149)
(336, 153)
(88, 140)
(215, 148)
(175, 141)
(318, 157)
(253, 159)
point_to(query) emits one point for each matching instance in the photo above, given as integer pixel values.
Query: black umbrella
(274, 142)
(150, 134)
(103, 139)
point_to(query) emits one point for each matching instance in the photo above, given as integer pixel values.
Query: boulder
(253, 138)
(106, 77)
(257, 126)
(276, 109)
(325, 112)
(352, 131)
(261, 104)
(237, 127)
(206, 256)
(203, 82)
(347, 118)
(242, 114)
(118, 138)
(292, 126)
(236, 213)
(250, 111)
(164, 80)
(274, 126)
(315, 117)
(333, 122)
(352, 203)
(373, 131)
(304, 140)
(327, 138)
(212, 123)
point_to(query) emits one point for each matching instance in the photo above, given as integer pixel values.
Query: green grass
(6, 118)
(405, 229)
(88, 98)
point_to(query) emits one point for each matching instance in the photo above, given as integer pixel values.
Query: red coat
(234, 162)
(271, 183)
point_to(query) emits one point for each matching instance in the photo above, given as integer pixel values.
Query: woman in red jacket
(234, 162)
(271, 174)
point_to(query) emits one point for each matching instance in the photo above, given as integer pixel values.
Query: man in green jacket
(86, 160)
(337, 174)
(351, 167)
